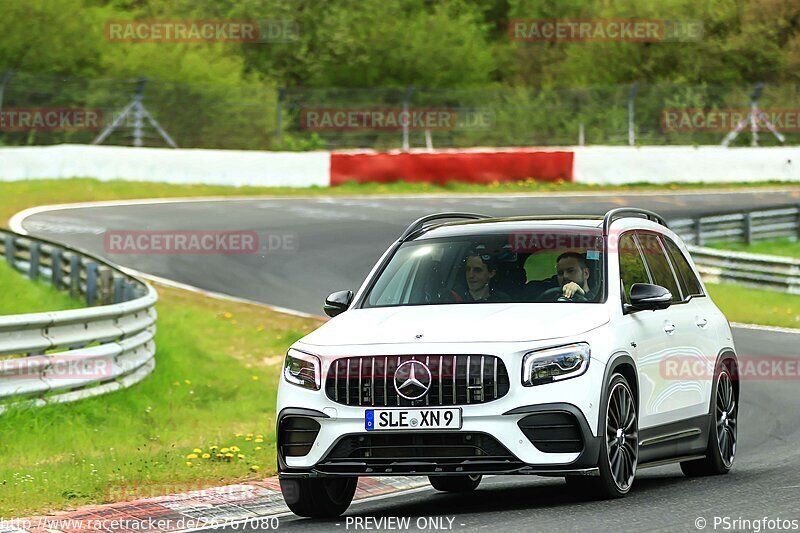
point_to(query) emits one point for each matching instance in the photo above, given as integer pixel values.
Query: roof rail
(622, 212)
(419, 224)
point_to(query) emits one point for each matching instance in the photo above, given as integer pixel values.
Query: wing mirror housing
(646, 296)
(337, 303)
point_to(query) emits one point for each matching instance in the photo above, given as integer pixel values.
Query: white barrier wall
(593, 164)
(213, 167)
(662, 164)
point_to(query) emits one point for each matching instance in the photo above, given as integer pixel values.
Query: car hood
(459, 323)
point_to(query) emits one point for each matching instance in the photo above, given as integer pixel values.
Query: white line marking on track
(774, 329)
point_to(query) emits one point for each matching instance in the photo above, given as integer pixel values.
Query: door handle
(701, 322)
(669, 328)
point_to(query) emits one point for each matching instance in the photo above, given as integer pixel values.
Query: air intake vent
(554, 432)
(297, 435)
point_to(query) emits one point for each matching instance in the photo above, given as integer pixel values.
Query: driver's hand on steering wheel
(571, 289)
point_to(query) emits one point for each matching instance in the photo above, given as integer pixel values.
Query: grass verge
(23, 194)
(753, 306)
(782, 247)
(215, 383)
(20, 295)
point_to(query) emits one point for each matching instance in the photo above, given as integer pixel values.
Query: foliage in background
(366, 54)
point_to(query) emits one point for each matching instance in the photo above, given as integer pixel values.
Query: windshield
(531, 266)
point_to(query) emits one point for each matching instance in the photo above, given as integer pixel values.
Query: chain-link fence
(267, 118)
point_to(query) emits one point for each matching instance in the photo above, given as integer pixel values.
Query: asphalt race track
(331, 245)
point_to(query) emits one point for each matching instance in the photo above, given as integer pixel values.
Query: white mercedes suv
(578, 346)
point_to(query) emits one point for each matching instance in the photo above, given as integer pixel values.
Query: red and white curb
(208, 508)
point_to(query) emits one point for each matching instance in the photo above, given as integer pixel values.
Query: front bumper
(504, 439)
(515, 442)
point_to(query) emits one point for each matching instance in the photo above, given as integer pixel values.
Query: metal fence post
(75, 274)
(631, 96)
(698, 232)
(56, 274)
(119, 287)
(797, 221)
(127, 291)
(279, 115)
(33, 270)
(105, 291)
(91, 284)
(406, 101)
(3, 82)
(11, 250)
(748, 228)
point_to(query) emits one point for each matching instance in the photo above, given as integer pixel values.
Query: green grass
(217, 371)
(783, 247)
(753, 306)
(23, 194)
(19, 295)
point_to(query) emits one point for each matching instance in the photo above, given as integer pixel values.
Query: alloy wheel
(622, 436)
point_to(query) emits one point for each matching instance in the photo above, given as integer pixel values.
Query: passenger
(479, 272)
(573, 275)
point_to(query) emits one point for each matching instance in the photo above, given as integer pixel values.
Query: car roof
(507, 224)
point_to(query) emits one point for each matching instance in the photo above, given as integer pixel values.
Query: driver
(480, 270)
(573, 275)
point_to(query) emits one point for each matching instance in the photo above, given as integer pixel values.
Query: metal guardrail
(747, 227)
(751, 270)
(64, 356)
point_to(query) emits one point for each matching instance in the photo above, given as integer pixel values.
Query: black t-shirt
(466, 297)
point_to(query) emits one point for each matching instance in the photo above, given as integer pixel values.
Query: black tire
(455, 483)
(721, 449)
(619, 448)
(326, 497)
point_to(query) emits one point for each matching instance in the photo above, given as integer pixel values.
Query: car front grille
(455, 380)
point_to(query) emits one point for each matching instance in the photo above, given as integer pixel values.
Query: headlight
(555, 364)
(302, 369)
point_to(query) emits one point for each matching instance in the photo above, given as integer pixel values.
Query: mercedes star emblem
(412, 380)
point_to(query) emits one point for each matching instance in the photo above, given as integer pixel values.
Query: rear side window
(631, 266)
(689, 282)
(658, 264)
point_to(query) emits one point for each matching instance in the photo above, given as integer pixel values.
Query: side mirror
(647, 296)
(337, 303)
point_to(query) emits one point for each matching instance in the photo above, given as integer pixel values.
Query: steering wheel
(556, 294)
